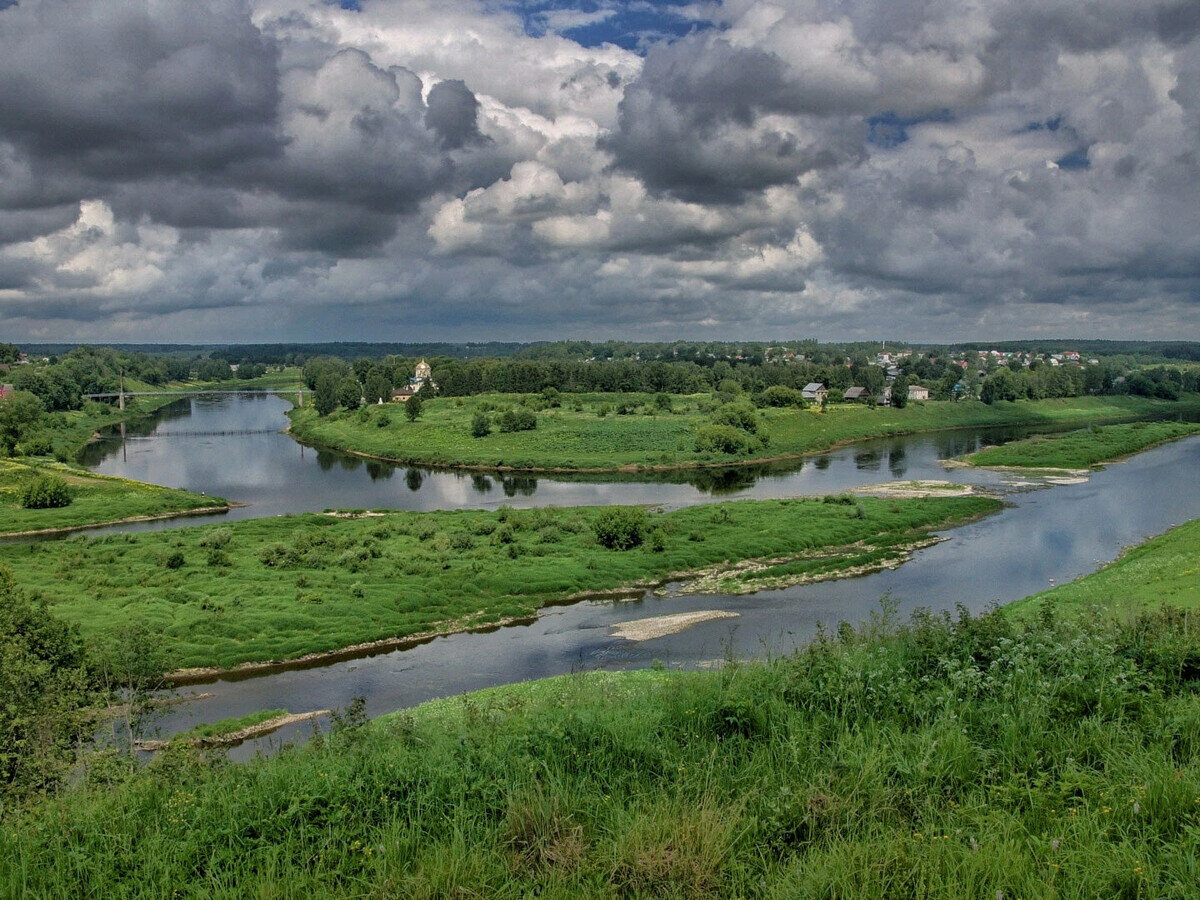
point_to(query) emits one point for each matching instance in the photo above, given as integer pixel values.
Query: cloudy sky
(214, 170)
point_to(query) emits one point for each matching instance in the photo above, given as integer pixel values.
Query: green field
(96, 499)
(1082, 449)
(1164, 571)
(978, 758)
(576, 436)
(279, 588)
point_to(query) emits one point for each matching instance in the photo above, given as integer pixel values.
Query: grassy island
(1082, 449)
(985, 757)
(613, 432)
(281, 588)
(95, 499)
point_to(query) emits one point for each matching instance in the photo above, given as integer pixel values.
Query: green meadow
(588, 432)
(978, 757)
(1083, 449)
(96, 499)
(280, 588)
(1164, 571)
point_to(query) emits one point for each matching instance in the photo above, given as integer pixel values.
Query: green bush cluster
(621, 527)
(46, 492)
(517, 419)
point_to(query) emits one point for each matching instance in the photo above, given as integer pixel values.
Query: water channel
(232, 447)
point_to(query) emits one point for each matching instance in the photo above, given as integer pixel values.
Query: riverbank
(1081, 450)
(97, 500)
(266, 591)
(1164, 571)
(230, 732)
(586, 434)
(980, 757)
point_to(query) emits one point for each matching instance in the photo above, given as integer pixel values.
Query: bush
(779, 396)
(412, 408)
(383, 421)
(737, 415)
(36, 445)
(46, 492)
(481, 426)
(174, 560)
(518, 420)
(621, 527)
(725, 439)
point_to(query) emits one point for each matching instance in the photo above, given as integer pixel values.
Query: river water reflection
(234, 447)
(1043, 537)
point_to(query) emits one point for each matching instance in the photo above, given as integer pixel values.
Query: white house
(916, 392)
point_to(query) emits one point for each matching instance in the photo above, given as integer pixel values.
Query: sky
(303, 170)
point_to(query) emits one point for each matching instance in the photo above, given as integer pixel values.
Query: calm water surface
(1044, 537)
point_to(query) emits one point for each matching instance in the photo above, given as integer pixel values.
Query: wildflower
(1054, 844)
(1137, 807)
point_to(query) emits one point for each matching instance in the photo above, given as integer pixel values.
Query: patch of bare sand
(912, 490)
(661, 626)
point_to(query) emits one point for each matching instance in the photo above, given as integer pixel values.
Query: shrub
(725, 439)
(621, 527)
(36, 445)
(46, 492)
(481, 426)
(174, 560)
(518, 419)
(737, 415)
(383, 421)
(217, 538)
(779, 396)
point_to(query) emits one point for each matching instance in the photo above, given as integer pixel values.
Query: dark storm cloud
(238, 164)
(688, 124)
(118, 90)
(452, 112)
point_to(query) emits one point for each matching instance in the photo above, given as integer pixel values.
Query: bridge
(120, 396)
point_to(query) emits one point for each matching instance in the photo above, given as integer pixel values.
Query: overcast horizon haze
(217, 171)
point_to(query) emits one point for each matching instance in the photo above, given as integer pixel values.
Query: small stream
(1044, 537)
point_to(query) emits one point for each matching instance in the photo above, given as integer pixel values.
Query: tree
(900, 392)
(325, 396)
(349, 393)
(44, 684)
(378, 385)
(412, 408)
(481, 427)
(20, 413)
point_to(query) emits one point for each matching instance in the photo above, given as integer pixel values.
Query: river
(232, 447)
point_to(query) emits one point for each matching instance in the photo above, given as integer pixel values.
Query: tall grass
(985, 757)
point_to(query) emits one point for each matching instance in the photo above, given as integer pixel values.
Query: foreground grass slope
(978, 758)
(279, 588)
(577, 435)
(1163, 571)
(96, 499)
(1082, 449)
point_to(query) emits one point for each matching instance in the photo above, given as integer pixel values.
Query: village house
(402, 394)
(855, 394)
(815, 392)
(916, 392)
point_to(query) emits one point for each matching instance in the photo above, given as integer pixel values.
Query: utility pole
(121, 395)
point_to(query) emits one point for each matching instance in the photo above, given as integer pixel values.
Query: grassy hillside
(279, 588)
(96, 499)
(1082, 449)
(1163, 571)
(586, 431)
(980, 758)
